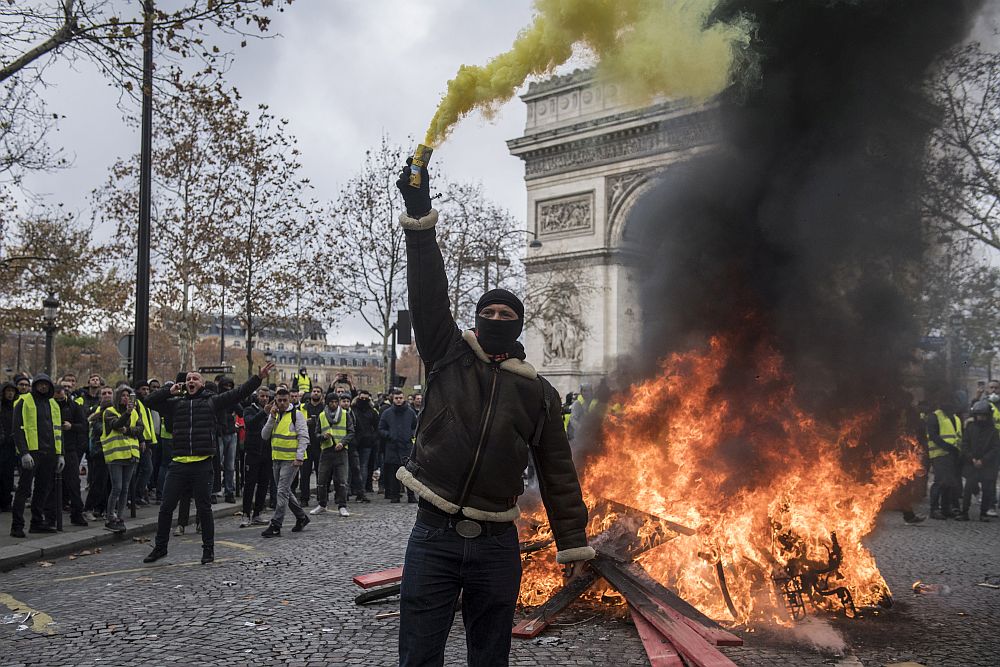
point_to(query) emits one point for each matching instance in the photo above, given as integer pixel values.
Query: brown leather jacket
(480, 417)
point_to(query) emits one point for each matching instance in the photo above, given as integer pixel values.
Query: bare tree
(107, 34)
(266, 225)
(49, 250)
(480, 242)
(962, 186)
(367, 233)
(196, 168)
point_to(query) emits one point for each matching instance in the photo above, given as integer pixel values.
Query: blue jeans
(121, 477)
(439, 565)
(227, 454)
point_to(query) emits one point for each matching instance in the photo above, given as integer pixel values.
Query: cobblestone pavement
(290, 601)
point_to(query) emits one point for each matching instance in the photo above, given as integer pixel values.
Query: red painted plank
(529, 628)
(688, 642)
(373, 579)
(540, 619)
(714, 636)
(660, 652)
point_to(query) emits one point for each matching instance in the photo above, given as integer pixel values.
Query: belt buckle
(468, 529)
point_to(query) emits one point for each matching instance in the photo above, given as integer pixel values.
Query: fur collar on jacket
(512, 365)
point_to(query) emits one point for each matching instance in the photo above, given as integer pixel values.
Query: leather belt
(464, 526)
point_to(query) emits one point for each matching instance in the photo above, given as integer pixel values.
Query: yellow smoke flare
(651, 47)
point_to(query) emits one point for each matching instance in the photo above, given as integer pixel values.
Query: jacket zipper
(487, 422)
(191, 427)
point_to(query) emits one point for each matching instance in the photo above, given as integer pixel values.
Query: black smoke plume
(803, 228)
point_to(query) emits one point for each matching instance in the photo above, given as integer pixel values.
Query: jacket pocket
(500, 477)
(440, 420)
(442, 450)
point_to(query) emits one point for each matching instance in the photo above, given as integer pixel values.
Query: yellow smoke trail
(652, 47)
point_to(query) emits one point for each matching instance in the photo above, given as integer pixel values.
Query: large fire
(762, 485)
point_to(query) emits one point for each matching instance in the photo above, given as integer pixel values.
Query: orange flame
(760, 482)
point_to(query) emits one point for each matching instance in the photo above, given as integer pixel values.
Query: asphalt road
(290, 601)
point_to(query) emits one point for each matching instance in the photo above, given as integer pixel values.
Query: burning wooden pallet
(672, 631)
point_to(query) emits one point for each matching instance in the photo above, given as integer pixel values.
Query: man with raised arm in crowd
(193, 413)
(484, 406)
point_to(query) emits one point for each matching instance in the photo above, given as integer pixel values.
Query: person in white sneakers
(289, 435)
(336, 427)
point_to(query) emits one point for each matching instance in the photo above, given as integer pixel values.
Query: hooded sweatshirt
(46, 439)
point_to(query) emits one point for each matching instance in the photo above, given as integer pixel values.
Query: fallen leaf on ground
(45, 563)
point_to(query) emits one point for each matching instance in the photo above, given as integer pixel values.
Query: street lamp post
(140, 360)
(50, 313)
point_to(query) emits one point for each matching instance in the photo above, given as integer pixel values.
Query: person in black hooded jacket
(194, 415)
(484, 407)
(980, 458)
(8, 453)
(37, 426)
(256, 460)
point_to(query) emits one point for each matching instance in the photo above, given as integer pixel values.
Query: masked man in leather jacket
(485, 407)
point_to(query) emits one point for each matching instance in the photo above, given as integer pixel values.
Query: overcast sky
(343, 72)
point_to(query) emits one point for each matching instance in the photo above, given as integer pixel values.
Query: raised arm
(426, 282)
(228, 399)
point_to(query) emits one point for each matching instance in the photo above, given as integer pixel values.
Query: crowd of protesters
(963, 452)
(99, 450)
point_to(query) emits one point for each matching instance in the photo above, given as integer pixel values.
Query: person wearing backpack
(288, 432)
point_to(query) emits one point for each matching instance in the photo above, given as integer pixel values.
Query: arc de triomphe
(588, 158)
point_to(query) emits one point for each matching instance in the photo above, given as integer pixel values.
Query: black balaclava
(499, 337)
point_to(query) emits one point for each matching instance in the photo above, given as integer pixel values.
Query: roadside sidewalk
(15, 551)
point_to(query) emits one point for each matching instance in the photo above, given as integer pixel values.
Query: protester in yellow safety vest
(288, 432)
(944, 434)
(302, 383)
(336, 432)
(122, 427)
(311, 408)
(584, 405)
(37, 427)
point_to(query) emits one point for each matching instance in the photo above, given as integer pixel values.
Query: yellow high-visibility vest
(118, 446)
(148, 434)
(951, 432)
(285, 439)
(338, 431)
(29, 422)
(305, 384)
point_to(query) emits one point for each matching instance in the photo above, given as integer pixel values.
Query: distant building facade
(362, 363)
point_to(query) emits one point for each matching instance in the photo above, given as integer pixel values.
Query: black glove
(418, 200)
